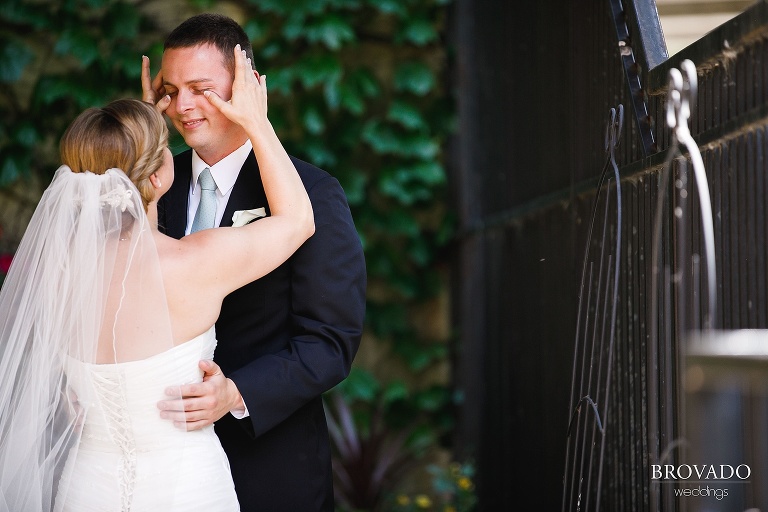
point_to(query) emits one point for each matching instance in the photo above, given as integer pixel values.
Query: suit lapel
(247, 193)
(174, 203)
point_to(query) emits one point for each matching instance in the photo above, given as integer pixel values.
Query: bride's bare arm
(254, 250)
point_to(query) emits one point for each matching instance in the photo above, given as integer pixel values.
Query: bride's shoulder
(174, 255)
(169, 247)
(186, 257)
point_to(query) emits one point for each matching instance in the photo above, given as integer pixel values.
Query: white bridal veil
(85, 287)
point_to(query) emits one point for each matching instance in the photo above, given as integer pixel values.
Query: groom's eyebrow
(190, 82)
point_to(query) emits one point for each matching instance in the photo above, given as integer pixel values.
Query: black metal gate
(536, 84)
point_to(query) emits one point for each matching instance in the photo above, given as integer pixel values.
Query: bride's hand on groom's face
(248, 105)
(195, 406)
(153, 91)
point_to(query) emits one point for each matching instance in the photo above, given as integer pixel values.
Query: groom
(282, 340)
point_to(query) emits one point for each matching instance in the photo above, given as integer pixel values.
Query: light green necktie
(205, 217)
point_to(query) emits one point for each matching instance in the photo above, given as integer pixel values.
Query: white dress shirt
(224, 173)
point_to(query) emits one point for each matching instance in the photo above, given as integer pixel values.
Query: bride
(100, 313)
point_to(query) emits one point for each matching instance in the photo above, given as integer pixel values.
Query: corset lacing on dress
(115, 409)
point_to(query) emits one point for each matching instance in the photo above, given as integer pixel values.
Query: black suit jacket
(284, 340)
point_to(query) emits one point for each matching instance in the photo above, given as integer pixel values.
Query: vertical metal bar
(763, 66)
(761, 233)
(755, 201)
(732, 94)
(646, 303)
(705, 108)
(745, 226)
(741, 86)
(630, 337)
(725, 208)
(632, 74)
(719, 204)
(734, 169)
(718, 104)
(749, 79)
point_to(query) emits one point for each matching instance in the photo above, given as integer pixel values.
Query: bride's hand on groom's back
(195, 406)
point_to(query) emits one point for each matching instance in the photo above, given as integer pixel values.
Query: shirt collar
(225, 171)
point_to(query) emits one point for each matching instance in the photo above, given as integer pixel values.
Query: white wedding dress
(130, 459)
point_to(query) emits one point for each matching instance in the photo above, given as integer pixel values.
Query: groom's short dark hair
(209, 28)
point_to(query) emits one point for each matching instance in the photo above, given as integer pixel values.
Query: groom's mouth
(191, 125)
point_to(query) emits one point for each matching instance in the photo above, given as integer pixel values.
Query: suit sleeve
(328, 285)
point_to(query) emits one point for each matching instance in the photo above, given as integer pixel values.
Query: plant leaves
(414, 77)
(313, 120)
(390, 6)
(14, 58)
(406, 114)
(319, 154)
(294, 25)
(121, 22)
(26, 135)
(359, 385)
(353, 183)
(79, 44)
(330, 30)
(315, 69)
(395, 390)
(256, 29)
(280, 80)
(418, 31)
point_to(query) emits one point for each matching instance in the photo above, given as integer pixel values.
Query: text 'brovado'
(699, 472)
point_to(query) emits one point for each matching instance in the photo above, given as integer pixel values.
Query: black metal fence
(536, 83)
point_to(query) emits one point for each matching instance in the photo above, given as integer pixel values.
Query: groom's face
(187, 73)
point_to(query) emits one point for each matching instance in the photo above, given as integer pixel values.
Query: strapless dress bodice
(128, 457)
(121, 399)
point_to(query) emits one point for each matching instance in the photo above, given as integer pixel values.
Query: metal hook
(613, 128)
(682, 94)
(690, 85)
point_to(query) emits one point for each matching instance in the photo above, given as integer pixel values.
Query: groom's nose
(185, 101)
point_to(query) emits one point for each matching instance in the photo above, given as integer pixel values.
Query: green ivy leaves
(353, 88)
(414, 77)
(57, 58)
(79, 44)
(14, 58)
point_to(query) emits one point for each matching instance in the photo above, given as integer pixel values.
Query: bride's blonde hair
(128, 134)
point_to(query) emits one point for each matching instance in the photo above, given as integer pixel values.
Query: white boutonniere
(243, 217)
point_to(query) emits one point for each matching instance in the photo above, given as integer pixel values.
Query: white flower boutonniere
(243, 217)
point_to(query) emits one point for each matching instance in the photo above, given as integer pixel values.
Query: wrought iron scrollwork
(595, 334)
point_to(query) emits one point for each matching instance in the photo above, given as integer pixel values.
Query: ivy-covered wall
(357, 87)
